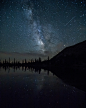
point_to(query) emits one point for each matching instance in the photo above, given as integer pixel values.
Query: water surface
(29, 89)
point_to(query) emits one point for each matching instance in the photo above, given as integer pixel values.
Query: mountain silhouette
(70, 65)
(73, 55)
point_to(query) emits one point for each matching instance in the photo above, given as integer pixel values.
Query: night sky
(42, 27)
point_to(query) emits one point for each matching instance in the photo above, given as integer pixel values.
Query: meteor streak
(70, 21)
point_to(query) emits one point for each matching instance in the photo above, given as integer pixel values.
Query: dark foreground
(32, 88)
(72, 75)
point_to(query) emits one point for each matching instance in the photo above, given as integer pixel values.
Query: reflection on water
(29, 89)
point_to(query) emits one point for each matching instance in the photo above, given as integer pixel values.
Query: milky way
(41, 26)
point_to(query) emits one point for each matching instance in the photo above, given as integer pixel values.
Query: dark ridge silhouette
(69, 65)
(75, 54)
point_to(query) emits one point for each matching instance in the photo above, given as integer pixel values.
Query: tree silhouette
(9, 60)
(48, 58)
(14, 60)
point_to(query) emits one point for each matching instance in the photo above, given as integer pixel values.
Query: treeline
(23, 63)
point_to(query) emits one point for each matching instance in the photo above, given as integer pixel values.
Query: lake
(32, 89)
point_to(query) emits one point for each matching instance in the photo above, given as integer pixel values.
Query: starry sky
(42, 27)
